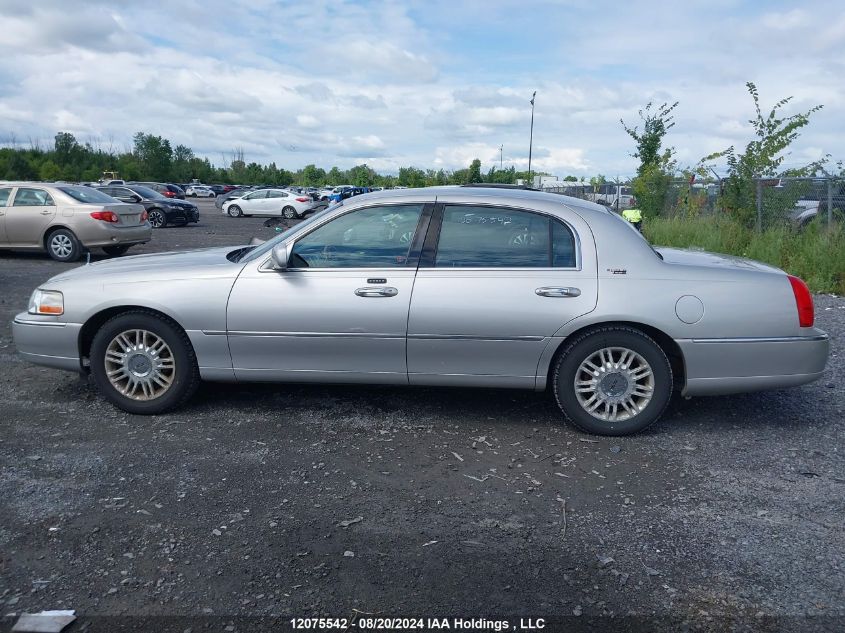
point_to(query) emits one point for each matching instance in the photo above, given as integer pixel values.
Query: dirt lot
(306, 500)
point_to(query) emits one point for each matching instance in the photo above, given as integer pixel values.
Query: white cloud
(396, 84)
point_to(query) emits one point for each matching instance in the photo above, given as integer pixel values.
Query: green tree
(475, 171)
(656, 165)
(154, 155)
(763, 156)
(411, 177)
(50, 171)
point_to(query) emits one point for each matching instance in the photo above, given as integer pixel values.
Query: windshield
(267, 246)
(147, 193)
(87, 195)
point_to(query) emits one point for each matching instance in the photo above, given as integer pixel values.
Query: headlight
(47, 302)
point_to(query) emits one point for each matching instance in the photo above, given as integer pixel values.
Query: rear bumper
(725, 366)
(44, 341)
(106, 235)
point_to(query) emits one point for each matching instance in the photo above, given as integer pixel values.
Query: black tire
(157, 218)
(581, 348)
(117, 250)
(289, 213)
(234, 211)
(185, 376)
(63, 246)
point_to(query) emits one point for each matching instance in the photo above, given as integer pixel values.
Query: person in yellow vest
(635, 217)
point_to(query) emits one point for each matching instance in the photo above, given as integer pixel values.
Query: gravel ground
(287, 500)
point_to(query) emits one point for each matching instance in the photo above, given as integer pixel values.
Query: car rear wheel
(234, 211)
(289, 213)
(613, 380)
(64, 246)
(143, 363)
(115, 251)
(157, 219)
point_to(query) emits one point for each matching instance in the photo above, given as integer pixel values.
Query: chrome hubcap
(614, 384)
(140, 365)
(61, 245)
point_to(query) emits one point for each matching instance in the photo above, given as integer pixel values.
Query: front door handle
(377, 291)
(46, 212)
(558, 292)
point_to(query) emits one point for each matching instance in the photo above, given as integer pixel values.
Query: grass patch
(816, 254)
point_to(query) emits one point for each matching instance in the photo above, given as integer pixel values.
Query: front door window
(377, 237)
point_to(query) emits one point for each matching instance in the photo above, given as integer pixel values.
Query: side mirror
(136, 198)
(281, 256)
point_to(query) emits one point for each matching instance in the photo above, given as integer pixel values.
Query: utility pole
(531, 140)
(501, 156)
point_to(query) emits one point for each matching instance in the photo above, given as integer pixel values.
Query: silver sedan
(450, 286)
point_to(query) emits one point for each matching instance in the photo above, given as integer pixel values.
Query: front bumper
(46, 341)
(738, 365)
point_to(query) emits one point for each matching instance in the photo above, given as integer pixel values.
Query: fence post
(830, 203)
(759, 205)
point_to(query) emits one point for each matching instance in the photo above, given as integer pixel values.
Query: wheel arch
(53, 228)
(667, 344)
(97, 320)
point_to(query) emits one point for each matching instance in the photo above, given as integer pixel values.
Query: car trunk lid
(694, 257)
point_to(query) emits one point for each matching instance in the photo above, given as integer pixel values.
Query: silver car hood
(168, 265)
(693, 257)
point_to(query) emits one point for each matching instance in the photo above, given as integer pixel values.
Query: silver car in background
(448, 286)
(65, 220)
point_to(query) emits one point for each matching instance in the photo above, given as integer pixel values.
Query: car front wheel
(234, 211)
(157, 219)
(64, 246)
(143, 363)
(613, 380)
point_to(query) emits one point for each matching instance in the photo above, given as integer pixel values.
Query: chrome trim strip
(42, 323)
(303, 334)
(764, 339)
(426, 337)
(470, 337)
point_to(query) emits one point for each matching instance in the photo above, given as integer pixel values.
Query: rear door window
(485, 237)
(4, 195)
(26, 197)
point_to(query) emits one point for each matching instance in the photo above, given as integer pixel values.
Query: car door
(5, 194)
(494, 286)
(252, 203)
(339, 313)
(275, 201)
(31, 211)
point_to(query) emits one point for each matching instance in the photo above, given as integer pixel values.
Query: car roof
(503, 195)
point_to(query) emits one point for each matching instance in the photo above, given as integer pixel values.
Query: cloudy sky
(433, 83)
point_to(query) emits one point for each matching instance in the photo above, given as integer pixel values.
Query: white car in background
(200, 191)
(270, 202)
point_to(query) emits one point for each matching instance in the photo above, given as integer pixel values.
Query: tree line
(154, 158)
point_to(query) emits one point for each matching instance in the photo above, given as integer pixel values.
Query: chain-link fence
(798, 201)
(767, 202)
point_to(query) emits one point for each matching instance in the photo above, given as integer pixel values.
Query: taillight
(105, 216)
(803, 301)
(144, 216)
(169, 194)
(303, 199)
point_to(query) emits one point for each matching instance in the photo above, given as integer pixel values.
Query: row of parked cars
(68, 219)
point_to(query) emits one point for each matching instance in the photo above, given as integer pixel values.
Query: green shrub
(815, 253)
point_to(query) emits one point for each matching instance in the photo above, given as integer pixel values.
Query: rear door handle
(377, 291)
(555, 291)
(46, 212)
